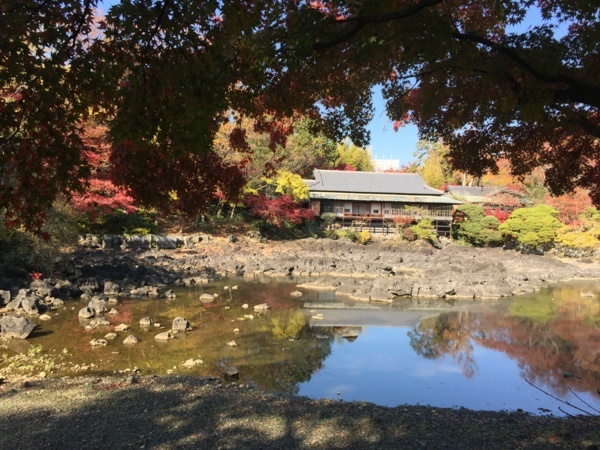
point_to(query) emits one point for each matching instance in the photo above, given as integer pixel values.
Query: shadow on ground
(185, 412)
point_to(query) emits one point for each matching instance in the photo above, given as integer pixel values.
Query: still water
(474, 355)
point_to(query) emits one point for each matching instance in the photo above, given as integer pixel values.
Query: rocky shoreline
(384, 271)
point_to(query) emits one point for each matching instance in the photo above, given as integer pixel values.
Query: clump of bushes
(532, 229)
(583, 234)
(363, 237)
(471, 226)
(425, 230)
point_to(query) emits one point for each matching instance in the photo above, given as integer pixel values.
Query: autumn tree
(167, 74)
(100, 195)
(432, 163)
(279, 210)
(354, 156)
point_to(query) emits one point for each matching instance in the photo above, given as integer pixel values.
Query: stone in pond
(232, 372)
(207, 298)
(192, 362)
(122, 327)
(146, 322)
(130, 340)
(86, 313)
(164, 336)
(181, 324)
(261, 307)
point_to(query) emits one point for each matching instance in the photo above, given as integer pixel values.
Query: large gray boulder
(65, 290)
(25, 301)
(15, 327)
(111, 241)
(143, 241)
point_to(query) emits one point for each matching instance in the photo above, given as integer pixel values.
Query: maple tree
(278, 210)
(100, 194)
(167, 73)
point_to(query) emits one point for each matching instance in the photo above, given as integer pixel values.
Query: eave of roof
(396, 198)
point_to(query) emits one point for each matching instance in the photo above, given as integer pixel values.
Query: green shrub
(425, 230)
(533, 227)
(348, 234)
(329, 219)
(471, 226)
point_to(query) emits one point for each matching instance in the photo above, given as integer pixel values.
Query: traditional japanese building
(375, 199)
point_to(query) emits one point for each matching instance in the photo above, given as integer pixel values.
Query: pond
(524, 353)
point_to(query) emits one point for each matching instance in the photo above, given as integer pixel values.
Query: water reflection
(472, 355)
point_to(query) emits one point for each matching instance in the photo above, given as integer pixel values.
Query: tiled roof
(482, 194)
(470, 191)
(371, 183)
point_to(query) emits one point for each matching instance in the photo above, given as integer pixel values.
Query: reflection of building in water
(386, 164)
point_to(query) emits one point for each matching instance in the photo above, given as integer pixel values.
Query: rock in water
(146, 322)
(122, 327)
(130, 340)
(86, 313)
(164, 336)
(207, 298)
(16, 327)
(181, 324)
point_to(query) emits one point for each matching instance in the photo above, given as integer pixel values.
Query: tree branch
(361, 21)
(579, 91)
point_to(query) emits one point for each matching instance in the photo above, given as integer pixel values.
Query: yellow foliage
(363, 237)
(292, 184)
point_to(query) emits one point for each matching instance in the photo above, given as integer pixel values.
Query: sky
(387, 143)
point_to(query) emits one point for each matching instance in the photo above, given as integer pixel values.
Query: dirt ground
(175, 412)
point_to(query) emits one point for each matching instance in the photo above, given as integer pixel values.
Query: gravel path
(177, 412)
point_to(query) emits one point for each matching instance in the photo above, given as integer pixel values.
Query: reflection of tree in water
(280, 352)
(547, 352)
(446, 334)
(552, 334)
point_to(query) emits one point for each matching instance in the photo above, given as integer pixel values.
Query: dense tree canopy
(166, 73)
